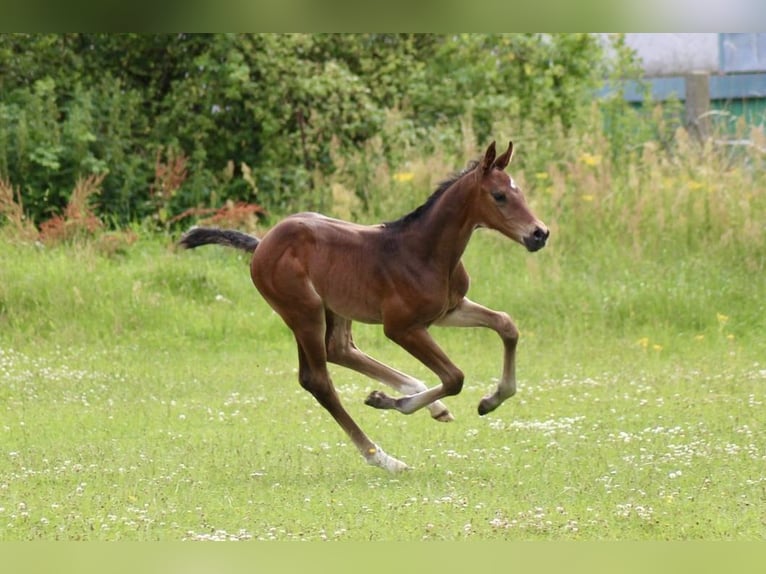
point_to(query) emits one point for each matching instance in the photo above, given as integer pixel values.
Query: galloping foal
(320, 274)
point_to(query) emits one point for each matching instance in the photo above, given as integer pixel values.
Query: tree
(282, 105)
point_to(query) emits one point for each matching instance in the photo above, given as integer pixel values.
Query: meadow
(150, 394)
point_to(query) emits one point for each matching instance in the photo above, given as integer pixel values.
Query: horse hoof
(376, 457)
(485, 406)
(444, 417)
(379, 400)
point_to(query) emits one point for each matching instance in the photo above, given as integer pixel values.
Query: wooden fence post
(698, 104)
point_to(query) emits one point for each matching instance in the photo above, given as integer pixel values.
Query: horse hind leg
(314, 377)
(420, 344)
(341, 350)
(406, 385)
(282, 281)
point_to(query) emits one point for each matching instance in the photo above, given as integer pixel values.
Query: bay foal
(320, 274)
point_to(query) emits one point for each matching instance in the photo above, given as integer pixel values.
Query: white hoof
(440, 413)
(443, 417)
(376, 457)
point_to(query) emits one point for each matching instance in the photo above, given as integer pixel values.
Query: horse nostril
(541, 234)
(536, 240)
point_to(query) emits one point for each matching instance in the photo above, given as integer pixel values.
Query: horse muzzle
(536, 240)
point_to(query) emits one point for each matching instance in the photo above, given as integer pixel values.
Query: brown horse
(320, 274)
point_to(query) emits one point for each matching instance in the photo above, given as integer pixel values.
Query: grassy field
(149, 394)
(152, 395)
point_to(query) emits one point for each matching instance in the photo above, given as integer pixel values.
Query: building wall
(676, 54)
(736, 63)
(673, 54)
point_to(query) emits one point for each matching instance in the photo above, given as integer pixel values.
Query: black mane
(419, 211)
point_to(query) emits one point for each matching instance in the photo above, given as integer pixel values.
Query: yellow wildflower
(403, 176)
(643, 342)
(590, 159)
(722, 319)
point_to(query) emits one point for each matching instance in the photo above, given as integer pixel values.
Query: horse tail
(198, 236)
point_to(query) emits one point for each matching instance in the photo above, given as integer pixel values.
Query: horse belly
(351, 295)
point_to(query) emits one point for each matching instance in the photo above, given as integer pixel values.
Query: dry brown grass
(78, 219)
(239, 215)
(12, 210)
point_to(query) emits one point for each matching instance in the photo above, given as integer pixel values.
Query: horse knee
(507, 329)
(453, 382)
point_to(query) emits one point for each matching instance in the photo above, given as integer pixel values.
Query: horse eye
(498, 196)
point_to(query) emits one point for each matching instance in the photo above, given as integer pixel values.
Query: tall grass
(662, 230)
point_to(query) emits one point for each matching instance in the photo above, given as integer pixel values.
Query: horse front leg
(419, 343)
(470, 314)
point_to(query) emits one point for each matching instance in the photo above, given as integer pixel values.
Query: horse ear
(489, 158)
(502, 161)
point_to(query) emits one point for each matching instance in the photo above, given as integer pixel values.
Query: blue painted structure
(737, 85)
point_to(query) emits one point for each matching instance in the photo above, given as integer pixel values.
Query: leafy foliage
(289, 106)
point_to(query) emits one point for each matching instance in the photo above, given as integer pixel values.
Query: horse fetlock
(376, 457)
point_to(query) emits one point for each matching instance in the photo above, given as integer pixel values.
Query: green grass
(148, 394)
(153, 396)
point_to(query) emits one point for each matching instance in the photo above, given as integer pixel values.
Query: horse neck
(446, 228)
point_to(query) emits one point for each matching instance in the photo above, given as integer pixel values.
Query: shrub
(170, 119)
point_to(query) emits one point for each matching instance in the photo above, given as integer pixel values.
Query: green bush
(289, 106)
